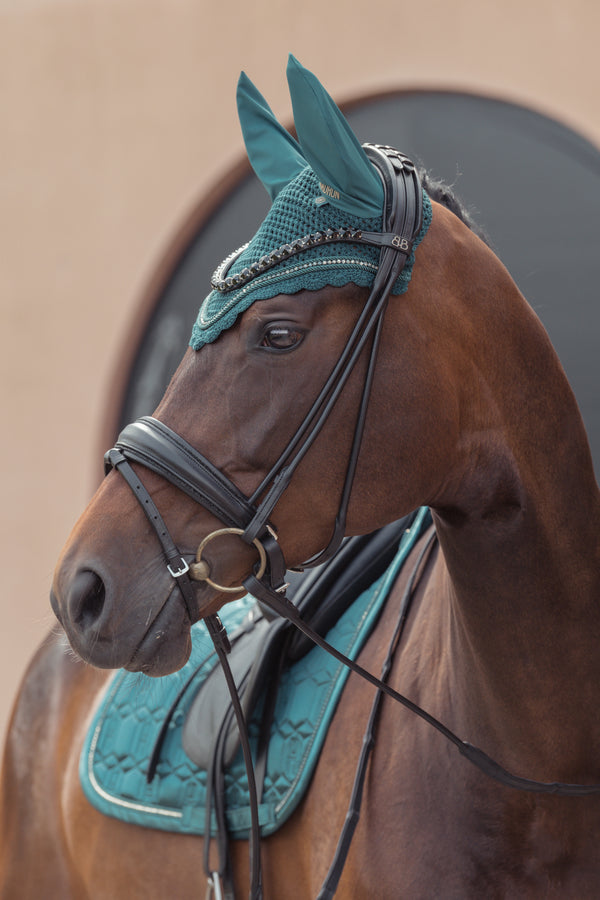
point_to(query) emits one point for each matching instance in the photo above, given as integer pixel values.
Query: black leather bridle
(151, 443)
(157, 447)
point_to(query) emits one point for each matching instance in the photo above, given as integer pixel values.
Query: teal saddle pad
(120, 741)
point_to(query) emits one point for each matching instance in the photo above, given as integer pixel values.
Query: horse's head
(280, 393)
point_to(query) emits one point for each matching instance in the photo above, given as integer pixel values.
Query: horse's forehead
(304, 306)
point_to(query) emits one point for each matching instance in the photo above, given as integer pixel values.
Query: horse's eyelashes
(281, 337)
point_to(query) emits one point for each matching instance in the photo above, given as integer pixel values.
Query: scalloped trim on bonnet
(300, 210)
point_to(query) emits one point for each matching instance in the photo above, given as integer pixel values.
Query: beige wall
(116, 116)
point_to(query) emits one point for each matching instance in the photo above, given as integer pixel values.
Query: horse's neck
(521, 571)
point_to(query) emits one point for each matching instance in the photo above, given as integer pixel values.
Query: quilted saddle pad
(125, 728)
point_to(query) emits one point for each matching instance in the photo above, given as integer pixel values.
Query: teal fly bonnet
(324, 189)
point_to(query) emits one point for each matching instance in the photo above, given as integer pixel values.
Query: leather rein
(155, 446)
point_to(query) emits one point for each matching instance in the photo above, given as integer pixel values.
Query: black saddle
(262, 645)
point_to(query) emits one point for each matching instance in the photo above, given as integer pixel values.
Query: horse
(469, 413)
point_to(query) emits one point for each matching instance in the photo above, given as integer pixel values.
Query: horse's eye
(281, 337)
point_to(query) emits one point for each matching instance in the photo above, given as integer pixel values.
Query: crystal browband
(222, 282)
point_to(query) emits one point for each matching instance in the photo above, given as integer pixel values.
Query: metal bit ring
(200, 570)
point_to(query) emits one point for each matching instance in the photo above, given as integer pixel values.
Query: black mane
(442, 193)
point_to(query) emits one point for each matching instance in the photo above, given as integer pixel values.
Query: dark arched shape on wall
(531, 183)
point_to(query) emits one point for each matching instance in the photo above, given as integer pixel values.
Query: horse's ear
(346, 176)
(273, 153)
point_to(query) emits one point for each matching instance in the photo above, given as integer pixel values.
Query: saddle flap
(209, 713)
(261, 645)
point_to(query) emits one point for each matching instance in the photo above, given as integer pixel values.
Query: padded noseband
(154, 445)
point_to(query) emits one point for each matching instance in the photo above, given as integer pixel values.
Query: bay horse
(469, 413)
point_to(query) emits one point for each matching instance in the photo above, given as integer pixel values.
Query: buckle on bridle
(183, 567)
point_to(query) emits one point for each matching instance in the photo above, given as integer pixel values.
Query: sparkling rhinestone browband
(222, 282)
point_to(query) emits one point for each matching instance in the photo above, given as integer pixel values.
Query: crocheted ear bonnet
(323, 188)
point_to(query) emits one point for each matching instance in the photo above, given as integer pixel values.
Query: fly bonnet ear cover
(323, 189)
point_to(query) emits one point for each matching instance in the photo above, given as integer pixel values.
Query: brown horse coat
(471, 414)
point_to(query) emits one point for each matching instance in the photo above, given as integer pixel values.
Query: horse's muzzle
(158, 643)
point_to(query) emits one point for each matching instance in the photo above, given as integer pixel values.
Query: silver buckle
(179, 572)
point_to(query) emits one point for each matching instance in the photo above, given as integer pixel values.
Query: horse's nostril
(87, 599)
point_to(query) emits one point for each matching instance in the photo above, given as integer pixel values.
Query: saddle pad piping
(177, 805)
